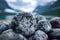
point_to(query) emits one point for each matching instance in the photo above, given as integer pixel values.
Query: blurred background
(48, 8)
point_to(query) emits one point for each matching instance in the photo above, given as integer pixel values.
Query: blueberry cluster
(25, 26)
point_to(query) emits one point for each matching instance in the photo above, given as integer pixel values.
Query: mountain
(53, 9)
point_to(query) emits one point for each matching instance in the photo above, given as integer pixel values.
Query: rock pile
(25, 26)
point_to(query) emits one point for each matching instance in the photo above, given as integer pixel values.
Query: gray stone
(39, 35)
(25, 23)
(22, 37)
(9, 35)
(3, 27)
(40, 17)
(44, 26)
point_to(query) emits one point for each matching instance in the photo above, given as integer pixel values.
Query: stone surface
(9, 35)
(55, 22)
(44, 26)
(39, 35)
(55, 33)
(24, 23)
(21, 37)
(40, 17)
(3, 27)
(55, 39)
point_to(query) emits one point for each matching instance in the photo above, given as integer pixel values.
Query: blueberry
(24, 23)
(3, 27)
(55, 22)
(39, 35)
(55, 33)
(44, 26)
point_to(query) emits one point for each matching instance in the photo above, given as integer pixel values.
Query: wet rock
(55, 33)
(44, 26)
(55, 22)
(39, 35)
(24, 23)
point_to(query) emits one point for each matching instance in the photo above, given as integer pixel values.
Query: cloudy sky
(28, 5)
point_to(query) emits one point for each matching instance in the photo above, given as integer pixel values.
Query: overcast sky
(28, 5)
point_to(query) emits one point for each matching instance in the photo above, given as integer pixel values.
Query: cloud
(28, 5)
(11, 0)
(24, 5)
(45, 2)
(10, 11)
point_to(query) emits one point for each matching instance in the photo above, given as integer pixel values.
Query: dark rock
(39, 35)
(55, 39)
(55, 22)
(55, 33)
